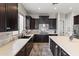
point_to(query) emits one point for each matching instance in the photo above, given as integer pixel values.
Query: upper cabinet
(12, 16)
(33, 23)
(43, 19)
(76, 19)
(8, 17)
(52, 23)
(28, 21)
(2, 17)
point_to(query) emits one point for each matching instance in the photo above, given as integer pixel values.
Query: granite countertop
(71, 47)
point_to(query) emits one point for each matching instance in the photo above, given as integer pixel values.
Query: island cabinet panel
(41, 38)
(53, 48)
(25, 51)
(56, 49)
(63, 53)
(29, 47)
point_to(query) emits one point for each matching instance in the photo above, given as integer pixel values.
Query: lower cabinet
(21, 52)
(25, 51)
(52, 47)
(40, 38)
(29, 47)
(63, 53)
(56, 49)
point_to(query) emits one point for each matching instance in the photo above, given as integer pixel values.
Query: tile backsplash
(6, 37)
(43, 27)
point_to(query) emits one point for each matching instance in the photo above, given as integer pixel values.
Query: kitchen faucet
(71, 37)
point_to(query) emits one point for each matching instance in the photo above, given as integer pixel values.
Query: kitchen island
(70, 47)
(62, 43)
(14, 47)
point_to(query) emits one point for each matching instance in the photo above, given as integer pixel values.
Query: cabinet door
(76, 19)
(44, 38)
(36, 38)
(63, 53)
(28, 22)
(12, 16)
(54, 48)
(29, 47)
(52, 23)
(2, 17)
(32, 24)
(21, 52)
(43, 19)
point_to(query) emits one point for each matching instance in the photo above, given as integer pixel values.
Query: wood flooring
(41, 49)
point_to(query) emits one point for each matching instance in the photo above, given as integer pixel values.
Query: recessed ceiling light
(70, 8)
(55, 8)
(39, 8)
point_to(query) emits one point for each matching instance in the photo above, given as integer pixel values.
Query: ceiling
(49, 8)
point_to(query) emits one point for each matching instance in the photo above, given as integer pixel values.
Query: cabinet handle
(56, 46)
(56, 51)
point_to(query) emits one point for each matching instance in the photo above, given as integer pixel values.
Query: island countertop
(71, 47)
(13, 47)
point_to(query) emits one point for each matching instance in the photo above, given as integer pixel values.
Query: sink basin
(25, 37)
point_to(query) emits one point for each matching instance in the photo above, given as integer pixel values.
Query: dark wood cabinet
(52, 23)
(53, 47)
(43, 19)
(35, 39)
(12, 16)
(53, 34)
(8, 17)
(32, 23)
(38, 38)
(2, 17)
(25, 51)
(56, 49)
(63, 53)
(29, 46)
(21, 52)
(76, 19)
(28, 18)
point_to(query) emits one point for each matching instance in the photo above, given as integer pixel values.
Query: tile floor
(41, 49)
